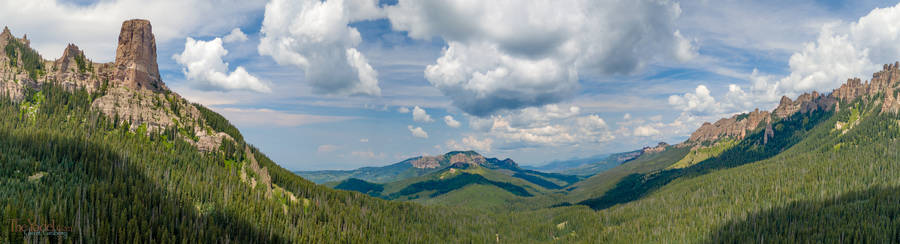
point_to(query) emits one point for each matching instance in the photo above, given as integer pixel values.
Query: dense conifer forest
(102, 180)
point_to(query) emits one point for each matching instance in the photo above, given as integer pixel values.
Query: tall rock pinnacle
(135, 65)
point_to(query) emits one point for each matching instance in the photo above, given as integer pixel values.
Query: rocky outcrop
(135, 65)
(473, 159)
(131, 87)
(886, 81)
(658, 148)
(806, 103)
(137, 107)
(769, 133)
(73, 70)
(426, 162)
(738, 126)
(4, 39)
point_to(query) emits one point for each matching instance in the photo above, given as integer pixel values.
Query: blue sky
(534, 88)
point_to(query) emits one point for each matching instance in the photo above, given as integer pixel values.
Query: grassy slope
(598, 184)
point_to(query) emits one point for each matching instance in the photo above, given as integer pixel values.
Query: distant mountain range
(452, 178)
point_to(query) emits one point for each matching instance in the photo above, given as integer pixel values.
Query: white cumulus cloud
(403, 110)
(841, 51)
(420, 115)
(417, 131)
(471, 143)
(315, 36)
(699, 101)
(645, 130)
(236, 35)
(549, 125)
(202, 64)
(506, 55)
(450, 121)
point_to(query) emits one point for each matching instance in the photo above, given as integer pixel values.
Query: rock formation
(73, 70)
(135, 65)
(426, 162)
(737, 126)
(885, 82)
(473, 159)
(658, 148)
(134, 91)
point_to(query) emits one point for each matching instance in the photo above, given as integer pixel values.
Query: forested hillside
(126, 160)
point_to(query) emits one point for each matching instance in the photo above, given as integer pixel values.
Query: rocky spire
(5, 34)
(135, 64)
(68, 56)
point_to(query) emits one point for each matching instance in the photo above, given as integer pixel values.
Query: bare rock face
(658, 148)
(4, 39)
(737, 126)
(136, 66)
(73, 70)
(806, 103)
(467, 159)
(426, 162)
(886, 81)
(137, 107)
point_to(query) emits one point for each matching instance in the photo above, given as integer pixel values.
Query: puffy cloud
(507, 55)
(549, 125)
(203, 65)
(451, 122)
(364, 140)
(403, 110)
(825, 64)
(645, 130)
(471, 143)
(417, 131)
(236, 35)
(841, 51)
(699, 101)
(326, 148)
(419, 115)
(52, 24)
(315, 36)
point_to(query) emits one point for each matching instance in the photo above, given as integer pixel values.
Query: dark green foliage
(31, 60)
(216, 121)
(537, 180)
(870, 216)
(570, 179)
(354, 184)
(112, 186)
(444, 186)
(788, 132)
(81, 63)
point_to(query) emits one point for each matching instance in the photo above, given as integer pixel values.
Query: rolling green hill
(469, 181)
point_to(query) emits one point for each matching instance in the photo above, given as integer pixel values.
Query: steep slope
(127, 161)
(599, 184)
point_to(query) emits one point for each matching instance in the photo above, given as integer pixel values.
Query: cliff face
(737, 126)
(135, 65)
(886, 82)
(130, 88)
(73, 70)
